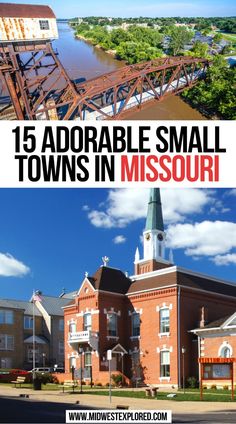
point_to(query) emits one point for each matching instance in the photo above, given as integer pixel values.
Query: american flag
(36, 297)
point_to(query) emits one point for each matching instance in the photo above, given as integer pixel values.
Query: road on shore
(26, 410)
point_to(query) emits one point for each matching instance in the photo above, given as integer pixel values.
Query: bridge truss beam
(40, 87)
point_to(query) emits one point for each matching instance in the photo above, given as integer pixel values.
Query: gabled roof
(110, 279)
(12, 10)
(217, 323)
(27, 307)
(54, 305)
(70, 295)
(224, 323)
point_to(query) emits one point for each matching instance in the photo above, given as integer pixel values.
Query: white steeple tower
(153, 238)
(153, 235)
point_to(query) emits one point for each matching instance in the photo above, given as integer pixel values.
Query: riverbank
(97, 46)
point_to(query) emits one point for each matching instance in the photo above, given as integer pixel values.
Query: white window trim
(5, 311)
(224, 345)
(112, 311)
(112, 337)
(165, 378)
(165, 349)
(167, 334)
(136, 311)
(161, 309)
(30, 318)
(6, 348)
(164, 306)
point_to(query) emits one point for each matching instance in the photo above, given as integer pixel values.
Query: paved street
(49, 407)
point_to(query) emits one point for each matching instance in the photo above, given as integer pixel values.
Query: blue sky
(49, 238)
(129, 8)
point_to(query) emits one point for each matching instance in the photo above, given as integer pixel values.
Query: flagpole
(33, 336)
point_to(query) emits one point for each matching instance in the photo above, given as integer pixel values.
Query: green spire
(154, 215)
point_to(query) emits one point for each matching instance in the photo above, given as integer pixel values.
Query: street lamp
(80, 353)
(44, 358)
(183, 353)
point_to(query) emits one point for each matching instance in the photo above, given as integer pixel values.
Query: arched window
(225, 352)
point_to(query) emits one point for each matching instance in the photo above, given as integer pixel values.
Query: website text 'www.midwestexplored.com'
(97, 416)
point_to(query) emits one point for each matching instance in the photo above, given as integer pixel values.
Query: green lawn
(209, 395)
(230, 37)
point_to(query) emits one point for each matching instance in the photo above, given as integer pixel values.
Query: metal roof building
(26, 22)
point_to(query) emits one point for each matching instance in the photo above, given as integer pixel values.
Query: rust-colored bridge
(40, 88)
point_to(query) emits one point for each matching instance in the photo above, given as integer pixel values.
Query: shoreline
(97, 46)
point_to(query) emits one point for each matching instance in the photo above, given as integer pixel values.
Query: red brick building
(145, 319)
(217, 340)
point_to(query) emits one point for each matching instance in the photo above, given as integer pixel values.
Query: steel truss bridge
(40, 88)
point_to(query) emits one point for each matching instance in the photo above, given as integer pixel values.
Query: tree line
(216, 93)
(136, 44)
(224, 24)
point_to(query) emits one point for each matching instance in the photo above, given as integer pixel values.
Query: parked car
(43, 370)
(7, 375)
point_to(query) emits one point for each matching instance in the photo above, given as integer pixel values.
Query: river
(84, 61)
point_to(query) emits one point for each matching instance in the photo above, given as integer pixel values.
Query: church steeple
(153, 237)
(154, 219)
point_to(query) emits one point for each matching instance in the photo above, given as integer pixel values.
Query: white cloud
(11, 267)
(85, 208)
(232, 192)
(207, 238)
(228, 259)
(119, 239)
(124, 206)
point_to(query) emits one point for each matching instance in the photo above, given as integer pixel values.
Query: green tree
(200, 49)
(119, 36)
(82, 28)
(217, 37)
(179, 37)
(217, 93)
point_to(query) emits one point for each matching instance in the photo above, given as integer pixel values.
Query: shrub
(99, 384)
(46, 378)
(225, 387)
(117, 379)
(192, 382)
(213, 387)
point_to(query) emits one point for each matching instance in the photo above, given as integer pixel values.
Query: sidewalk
(103, 401)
